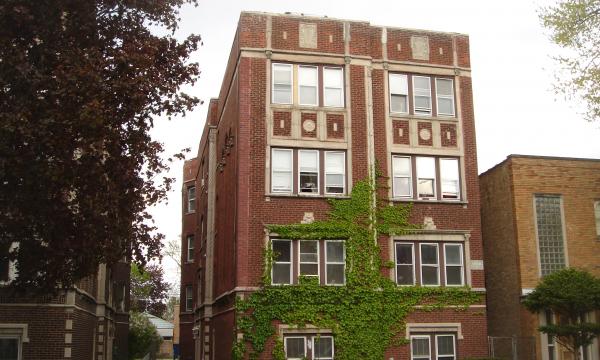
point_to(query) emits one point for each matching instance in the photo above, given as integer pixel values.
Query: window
(190, 248)
(597, 217)
(449, 175)
(333, 87)
(430, 269)
(405, 264)
(309, 171)
(10, 347)
(424, 346)
(422, 95)
(281, 177)
(402, 176)
(425, 177)
(305, 258)
(335, 172)
(453, 260)
(282, 84)
(444, 91)
(550, 233)
(298, 347)
(398, 93)
(550, 339)
(308, 80)
(191, 199)
(425, 169)
(313, 165)
(189, 298)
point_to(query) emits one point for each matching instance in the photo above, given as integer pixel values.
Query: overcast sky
(516, 110)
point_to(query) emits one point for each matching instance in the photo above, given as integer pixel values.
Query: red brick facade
(236, 195)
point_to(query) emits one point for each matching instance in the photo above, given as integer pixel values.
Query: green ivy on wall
(367, 315)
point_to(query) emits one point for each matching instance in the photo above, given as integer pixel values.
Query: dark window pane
(430, 276)
(294, 348)
(335, 274)
(404, 275)
(281, 273)
(282, 250)
(9, 348)
(335, 251)
(420, 347)
(309, 182)
(404, 254)
(309, 269)
(445, 345)
(429, 254)
(453, 275)
(323, 347)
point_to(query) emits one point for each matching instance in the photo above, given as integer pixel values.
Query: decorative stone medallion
(309, 125)
(425, 134)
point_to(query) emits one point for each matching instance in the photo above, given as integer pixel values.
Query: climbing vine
(367, 315)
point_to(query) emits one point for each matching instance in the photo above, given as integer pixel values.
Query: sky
(516, 109)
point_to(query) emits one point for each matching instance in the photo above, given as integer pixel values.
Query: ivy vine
(368, 314)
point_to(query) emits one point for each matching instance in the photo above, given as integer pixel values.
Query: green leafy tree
(143, 337)
(575, 26)
(569, 294)
(149, 290)
(81, 85)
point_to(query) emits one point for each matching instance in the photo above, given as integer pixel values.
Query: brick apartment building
(539, 214)
(307, 107)
(90, 321)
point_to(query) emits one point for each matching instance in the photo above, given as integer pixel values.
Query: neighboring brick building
(90, 321)
(539, 214)
(307, 107)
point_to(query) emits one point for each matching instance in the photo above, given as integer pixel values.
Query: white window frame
(422, 111)
(300, 152)
(437, 348)
(410, 177)
(438, 96)
(318, 262)
(312, 339)
(325, 104)
(190, 250)
(411, 347)
(458, 194)
(335, 263)
(291, 68)
(343, 173)
(291, 170)
(437, 266)
(316, 86)
(414, 265)
(19, 343)
(404, 84)
(285, 346)
(289, 263)
(462, 265)
(435, 167)
(189, 295)
(191, 199)
(597, 217)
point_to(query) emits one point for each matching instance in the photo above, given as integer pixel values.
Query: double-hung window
(402, 170)
(322, 347)
(295, 347)
(444, 347)
(190, 248)
(281, 272)
(308, 85)
(444, 91)
(335, 171)
(309, 171)
(422, 95)
(405, 264)
(430, 264)
(282, 84)
(453, 261)
(420, 347)
(10, 347)
(426, 177)
(333, 87)
(191, 199)
(282, 165)
(189, 298)
(309, 258)
(335, 262)
(398, 93)
(298, 347)
(450, 179)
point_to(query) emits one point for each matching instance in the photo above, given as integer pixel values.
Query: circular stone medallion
(425, 134)
(309, 125)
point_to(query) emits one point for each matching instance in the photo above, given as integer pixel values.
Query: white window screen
(453, 259)
(295, 348)
(281, 271)
(282, 84)
(333, 83)
(426, 177)
(444, 345)
(322, 348)
(335, 262)
(450, 179)
(335, 169)
(281, 178)
(420, 348)
(405, 264)
(422, 95)
(308, 80)
(309, 171)
(309, 257)
(398, 93)
(430, 274)
(444, 90)
(550, 233)
(402, 182)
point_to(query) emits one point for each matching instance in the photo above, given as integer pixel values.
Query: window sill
(420, 201)
(307, 107)
(298, 196)
(190, 212)
(422, 117)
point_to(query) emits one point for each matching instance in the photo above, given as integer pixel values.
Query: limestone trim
(285, 329)
(210, 218)
(18, 329)
(412, 328)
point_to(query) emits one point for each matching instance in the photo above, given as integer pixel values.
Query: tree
(569, 294)
(575, 26)
(82, 82)
(169, 314)
(143, 337)
(149, 290)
